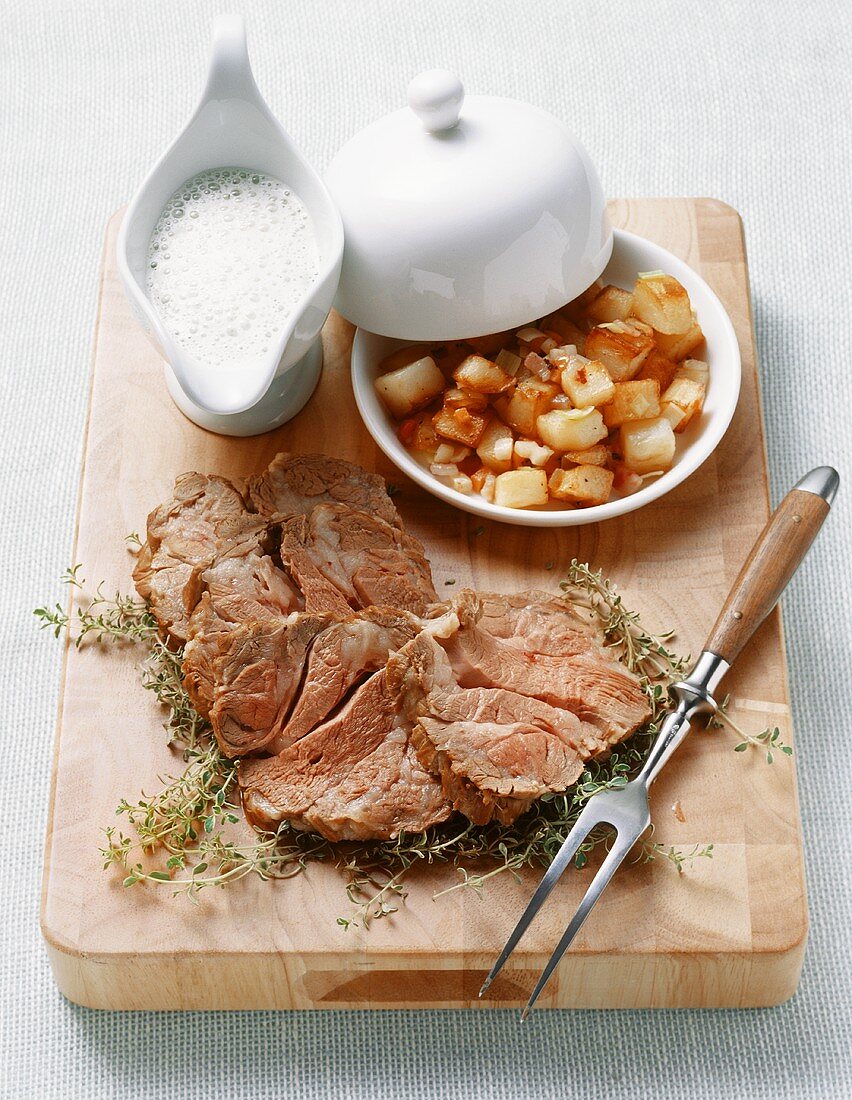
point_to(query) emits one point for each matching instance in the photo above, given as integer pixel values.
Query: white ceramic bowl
(631, 254)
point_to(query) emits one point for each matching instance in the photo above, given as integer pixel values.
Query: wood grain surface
(767, 571)
(730, 931)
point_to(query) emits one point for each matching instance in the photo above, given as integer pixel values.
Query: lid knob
(436, 97)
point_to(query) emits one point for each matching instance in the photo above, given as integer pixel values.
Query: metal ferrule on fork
(694, 696)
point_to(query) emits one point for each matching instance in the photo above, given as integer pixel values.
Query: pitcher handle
(229, 75)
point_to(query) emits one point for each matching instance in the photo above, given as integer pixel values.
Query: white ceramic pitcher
(233, 127)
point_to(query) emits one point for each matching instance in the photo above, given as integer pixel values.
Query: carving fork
(774, 559)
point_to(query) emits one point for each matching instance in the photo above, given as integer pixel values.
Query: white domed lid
(464, 215)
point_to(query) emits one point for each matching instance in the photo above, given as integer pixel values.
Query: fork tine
(599, 883)
(584, 824)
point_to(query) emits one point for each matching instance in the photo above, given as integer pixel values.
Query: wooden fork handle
(774, 559)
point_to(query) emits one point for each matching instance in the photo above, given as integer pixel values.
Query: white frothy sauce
(230, 257)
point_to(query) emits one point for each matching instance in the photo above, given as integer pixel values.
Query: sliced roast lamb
(537, 645)
(367, 560)
(205, 515)
(495, 750)
(257, 671)
(355, 777)
(294, 484)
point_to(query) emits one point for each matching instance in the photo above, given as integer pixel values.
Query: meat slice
(539, 622)
(256, 675)
(300, 556)
(243, 585)
(204, 514)
(341, 657)
(295, 484)
(356, 777)
(544, 650)
(367, 560)
(495, 751)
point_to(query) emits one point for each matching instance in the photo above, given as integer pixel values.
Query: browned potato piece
(465, 399)
(680, 346)
(477, 373)
(495, 446)
(409, 388)
(460, 425)
(658, 367)
(647, 445)
(612, 304)
(661, 302)
(593, 456)
(526, 488)
(622, 347)
(687, 395)
(571, 429)
(583, 484)
(403, 356)
(633, 401)
(586, 382)
(530, 399)
(567, 330)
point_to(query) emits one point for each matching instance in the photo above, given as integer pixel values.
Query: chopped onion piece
(444, 469)
(461, 483)
(537, 454)
(446, 452)
(509, 362)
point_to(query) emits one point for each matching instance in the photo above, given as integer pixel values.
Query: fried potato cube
(583, 484)
(622, 347)
(647, 445)
(571, 429)
(593, 456)
(403, 356)
(496, 446)
(530, 399)
(658, 367)
(524, 488)
(465, 399)
(679, 346)
(636, 400)
(460, 425)
(662, 302)
(480, 374)
(612, 304)
(411, 387)
(586, 382)
(687, 395)
(568, 332)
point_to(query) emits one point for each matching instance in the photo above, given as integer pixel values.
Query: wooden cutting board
(729, 932)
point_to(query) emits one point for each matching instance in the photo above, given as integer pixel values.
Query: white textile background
(745, 101)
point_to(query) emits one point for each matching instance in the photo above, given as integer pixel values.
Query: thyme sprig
(768, 739)
(187, 835)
